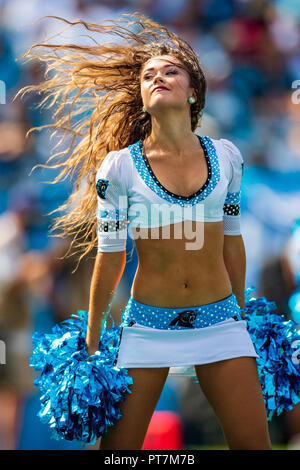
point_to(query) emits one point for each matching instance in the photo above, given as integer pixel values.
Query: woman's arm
(108, 270)
(235, 261)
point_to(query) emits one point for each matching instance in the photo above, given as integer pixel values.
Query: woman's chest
(165, 189)
(182, 176)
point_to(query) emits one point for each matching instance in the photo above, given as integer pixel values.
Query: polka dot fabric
(178, 318)
(145, 171)
(233, 198)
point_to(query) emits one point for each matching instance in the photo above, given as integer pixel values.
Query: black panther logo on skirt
(101, 186)
(185, 318)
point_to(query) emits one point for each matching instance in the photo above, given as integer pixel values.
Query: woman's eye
(173, 72)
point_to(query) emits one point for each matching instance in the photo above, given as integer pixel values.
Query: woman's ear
(193, 93)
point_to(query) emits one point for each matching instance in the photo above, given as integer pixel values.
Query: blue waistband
(179, 318)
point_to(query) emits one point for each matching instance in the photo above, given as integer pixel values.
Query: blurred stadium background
(250, 51)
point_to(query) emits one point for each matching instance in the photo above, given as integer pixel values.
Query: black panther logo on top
(185, 318)
(101, 186)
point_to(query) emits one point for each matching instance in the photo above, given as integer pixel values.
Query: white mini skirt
(143, 346)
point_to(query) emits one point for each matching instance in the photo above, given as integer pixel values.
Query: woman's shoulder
(115, 157)
(230, 153)
(115, 164)
(228, 148)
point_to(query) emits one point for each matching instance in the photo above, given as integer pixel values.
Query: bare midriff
(172, 276)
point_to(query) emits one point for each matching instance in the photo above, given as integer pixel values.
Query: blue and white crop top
(128, 192)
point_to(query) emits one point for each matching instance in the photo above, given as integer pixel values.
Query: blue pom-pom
(275, 340)
(81, 393)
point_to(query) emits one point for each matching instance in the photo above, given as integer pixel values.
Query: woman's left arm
(234, 249)
(235, 261)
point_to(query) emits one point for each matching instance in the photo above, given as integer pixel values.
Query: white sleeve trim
(231, 224)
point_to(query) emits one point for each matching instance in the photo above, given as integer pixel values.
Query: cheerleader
(150, 175)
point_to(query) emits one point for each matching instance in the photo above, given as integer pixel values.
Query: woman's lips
(160, 89)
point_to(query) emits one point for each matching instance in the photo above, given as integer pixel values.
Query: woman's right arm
(111, 188)
(107, 273)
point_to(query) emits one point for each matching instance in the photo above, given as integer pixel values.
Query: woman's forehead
(161, 60)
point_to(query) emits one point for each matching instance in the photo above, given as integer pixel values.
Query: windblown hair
(94, 92)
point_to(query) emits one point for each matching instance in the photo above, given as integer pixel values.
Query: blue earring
(192, 100)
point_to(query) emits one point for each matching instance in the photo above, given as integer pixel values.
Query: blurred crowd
(250, 52)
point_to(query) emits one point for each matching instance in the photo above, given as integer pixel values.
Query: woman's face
(167, 72)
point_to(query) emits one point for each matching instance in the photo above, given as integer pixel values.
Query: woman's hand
(243, 311)
(92, 348)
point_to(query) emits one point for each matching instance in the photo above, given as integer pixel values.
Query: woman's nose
(157, 78)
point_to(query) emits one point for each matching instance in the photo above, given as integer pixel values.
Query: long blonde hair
(95, 95)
